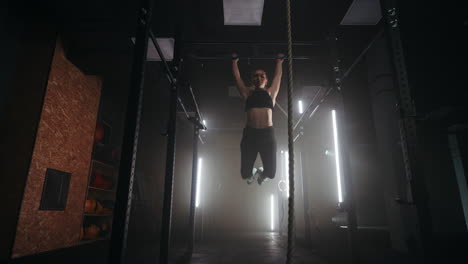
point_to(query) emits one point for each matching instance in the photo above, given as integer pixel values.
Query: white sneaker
(261, 179)
(252, 178)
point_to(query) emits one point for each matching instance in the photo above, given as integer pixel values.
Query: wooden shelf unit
(98, 198)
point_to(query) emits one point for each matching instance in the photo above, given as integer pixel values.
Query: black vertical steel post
(348, 204)
(123, 203)
(408, 134)
(170, 151)
(193, 194)
(169, 179)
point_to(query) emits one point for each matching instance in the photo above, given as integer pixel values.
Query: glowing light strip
(197, 197)
(272, 216)
(301, 108)
(286, 171)
(337, 156)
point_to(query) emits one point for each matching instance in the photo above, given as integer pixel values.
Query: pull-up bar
(196, 57)
(250, 43)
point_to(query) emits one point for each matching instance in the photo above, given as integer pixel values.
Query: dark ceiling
(101, 27)
(203, 20)
(96, 32)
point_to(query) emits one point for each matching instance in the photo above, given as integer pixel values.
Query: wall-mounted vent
(55, 190)
(243, 12)
(362, 12)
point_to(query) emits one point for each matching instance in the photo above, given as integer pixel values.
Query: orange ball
(90, 206)
(99, 133)
(92, 232)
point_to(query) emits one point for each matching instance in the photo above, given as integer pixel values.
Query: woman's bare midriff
(259, 117)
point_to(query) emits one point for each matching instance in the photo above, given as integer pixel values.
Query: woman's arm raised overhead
(243, 90)
(275, 84)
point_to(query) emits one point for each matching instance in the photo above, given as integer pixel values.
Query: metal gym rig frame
(124, 193)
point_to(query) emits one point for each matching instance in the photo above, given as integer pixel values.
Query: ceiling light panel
(243, 12)
(362, 12)
(167, 48)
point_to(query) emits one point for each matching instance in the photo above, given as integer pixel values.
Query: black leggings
(254, 141)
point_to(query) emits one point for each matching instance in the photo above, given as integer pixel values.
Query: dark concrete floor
(260, 248)
(257, 248)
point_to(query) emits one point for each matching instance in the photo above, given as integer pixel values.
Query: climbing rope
(291, 227)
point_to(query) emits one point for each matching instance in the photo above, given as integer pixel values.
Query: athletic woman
(258, 135)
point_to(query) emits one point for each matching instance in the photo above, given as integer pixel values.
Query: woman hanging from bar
(258, 135)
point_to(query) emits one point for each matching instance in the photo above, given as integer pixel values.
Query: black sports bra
(259, 98)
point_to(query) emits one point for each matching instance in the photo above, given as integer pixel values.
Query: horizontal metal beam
(196, 57)
(250, 43)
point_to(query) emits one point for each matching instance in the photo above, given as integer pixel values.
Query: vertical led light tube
(337, 156)
(272, 212)
(301, 107)
(286, 171)
(197, 197)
